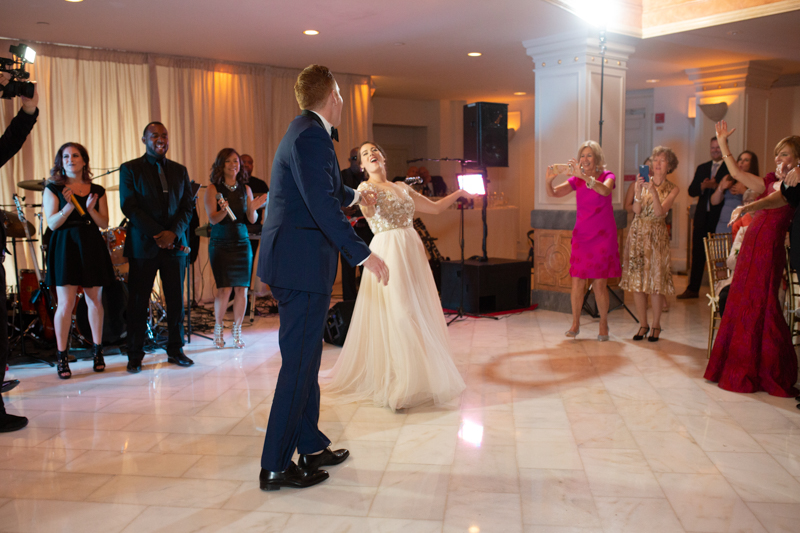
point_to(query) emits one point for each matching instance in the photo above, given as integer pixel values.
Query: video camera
(16, 86)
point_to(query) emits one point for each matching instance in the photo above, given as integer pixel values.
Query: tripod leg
(621, 303)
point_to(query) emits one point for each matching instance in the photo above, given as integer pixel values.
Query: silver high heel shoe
(602, 338)
(237, 337)
(572, 334)
(219, 342)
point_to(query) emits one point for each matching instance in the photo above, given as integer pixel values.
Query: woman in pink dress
(753, 350)
(595, 251)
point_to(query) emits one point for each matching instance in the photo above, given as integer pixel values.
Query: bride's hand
(738, 212)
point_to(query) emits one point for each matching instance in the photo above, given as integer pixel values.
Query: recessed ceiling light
(311, 32)
(520, 93)
(474, 54)
(652, 81)
(75, 1)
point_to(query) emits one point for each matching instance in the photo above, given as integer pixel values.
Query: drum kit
(34, 302)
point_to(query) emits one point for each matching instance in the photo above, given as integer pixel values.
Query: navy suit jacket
(704, 217)
(143, 203)
(304, 228)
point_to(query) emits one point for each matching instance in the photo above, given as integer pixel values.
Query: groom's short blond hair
(313, 85)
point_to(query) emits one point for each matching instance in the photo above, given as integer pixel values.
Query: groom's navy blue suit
(304, 232)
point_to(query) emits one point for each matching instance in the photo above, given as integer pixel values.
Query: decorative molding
(754, 74)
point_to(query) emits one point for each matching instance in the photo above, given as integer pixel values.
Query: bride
(397, 351)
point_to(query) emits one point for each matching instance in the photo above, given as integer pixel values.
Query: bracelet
(635, 199)
(591, 183)
(728, 155)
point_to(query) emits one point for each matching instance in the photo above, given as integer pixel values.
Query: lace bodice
(393, 210)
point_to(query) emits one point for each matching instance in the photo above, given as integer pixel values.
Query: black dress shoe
(291, 477)
(312, 463)
(688, 295)
(179, 358)
(11, 422)
(134, 367)
(8, 385)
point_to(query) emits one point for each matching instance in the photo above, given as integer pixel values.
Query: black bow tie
(335, 134)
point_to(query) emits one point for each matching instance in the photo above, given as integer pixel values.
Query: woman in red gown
(753, 350)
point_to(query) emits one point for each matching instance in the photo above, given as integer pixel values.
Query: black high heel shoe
(63, 364)
(639, 335)
(99, 363)
(653, 337)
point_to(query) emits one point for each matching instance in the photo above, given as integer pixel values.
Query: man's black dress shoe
(312, 463)
(179, 358)
(134, 367)
(291, 477)
(11, 422)
(8, 385)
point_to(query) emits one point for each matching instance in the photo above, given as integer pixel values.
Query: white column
(567, 69)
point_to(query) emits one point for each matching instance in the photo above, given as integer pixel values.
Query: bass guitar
(42, 298)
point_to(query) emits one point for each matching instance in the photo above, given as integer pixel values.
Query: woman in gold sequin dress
(397, 350)
(646, 262)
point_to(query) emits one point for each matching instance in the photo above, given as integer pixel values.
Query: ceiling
(412, 48)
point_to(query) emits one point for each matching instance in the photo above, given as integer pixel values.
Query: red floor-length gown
(753, 350)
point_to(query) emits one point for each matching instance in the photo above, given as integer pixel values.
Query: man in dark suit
(156, 197)
(10, 143)
(303, 234)
(706, 178)
(352, 176)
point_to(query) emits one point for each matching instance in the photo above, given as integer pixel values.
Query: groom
(303, 234)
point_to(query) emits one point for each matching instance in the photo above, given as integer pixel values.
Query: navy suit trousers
(293, 420)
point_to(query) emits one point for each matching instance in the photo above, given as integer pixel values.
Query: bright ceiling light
(474, 54)
(653, 80)
(520, 93)
(598, 13)
(74, 0)
(311, 32)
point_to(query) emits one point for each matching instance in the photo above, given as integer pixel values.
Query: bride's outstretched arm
(426, 205)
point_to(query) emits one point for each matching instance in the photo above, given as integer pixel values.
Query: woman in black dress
(229, 249)
(78, 256)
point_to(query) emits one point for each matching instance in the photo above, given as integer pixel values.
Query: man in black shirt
(352, 176)
(706, 178)
(156, 196)
(10, 143)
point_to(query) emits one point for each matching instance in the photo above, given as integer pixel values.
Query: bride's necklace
(231, 187)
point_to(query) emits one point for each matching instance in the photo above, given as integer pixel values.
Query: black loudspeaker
(489, 287)
(338, 322)
(486, 134)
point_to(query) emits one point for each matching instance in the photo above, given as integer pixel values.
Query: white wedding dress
(397, 351)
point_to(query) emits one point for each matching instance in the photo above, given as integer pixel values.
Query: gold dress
(647, 261)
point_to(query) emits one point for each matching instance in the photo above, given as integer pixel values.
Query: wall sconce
(692, 112)
(514, 121)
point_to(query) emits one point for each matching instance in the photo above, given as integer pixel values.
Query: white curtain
(103, 99)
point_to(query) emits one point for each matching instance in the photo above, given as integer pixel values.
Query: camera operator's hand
(29, 105)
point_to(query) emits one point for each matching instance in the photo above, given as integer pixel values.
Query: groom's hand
(376, 265)
(368, 198)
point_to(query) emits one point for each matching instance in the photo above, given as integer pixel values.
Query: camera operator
(10, 143)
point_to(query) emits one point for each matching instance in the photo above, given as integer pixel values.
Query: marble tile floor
(551, 436)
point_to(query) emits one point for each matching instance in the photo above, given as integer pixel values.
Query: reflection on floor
(552, 435)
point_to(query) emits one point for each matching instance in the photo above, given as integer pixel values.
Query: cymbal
(15, 228)
(203, 231)
(31, 185)
(114, 187)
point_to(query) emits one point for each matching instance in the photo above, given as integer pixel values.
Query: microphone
(228, 208)
(81, 210)
(181, 248)
(413, 180)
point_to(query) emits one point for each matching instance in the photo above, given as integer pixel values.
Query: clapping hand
(727, 183)
(368, 198)
(259, 201)
(91, 201)
(792, 178)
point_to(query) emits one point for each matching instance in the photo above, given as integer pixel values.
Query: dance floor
(551, 436)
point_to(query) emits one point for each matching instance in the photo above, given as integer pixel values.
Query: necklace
(231, 187)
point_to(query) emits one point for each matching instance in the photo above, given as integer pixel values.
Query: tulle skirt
(397, 350)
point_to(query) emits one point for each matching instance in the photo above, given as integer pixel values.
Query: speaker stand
(596, 314)
(460, 311)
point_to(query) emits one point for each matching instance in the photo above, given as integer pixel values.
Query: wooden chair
(718, 247)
